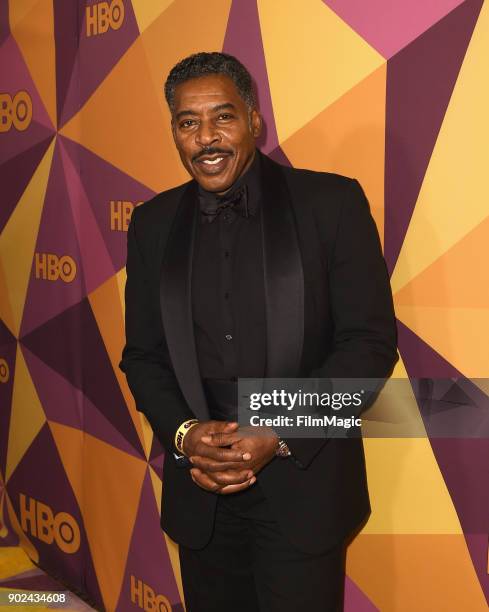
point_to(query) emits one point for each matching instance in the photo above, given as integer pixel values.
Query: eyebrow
(215, 109)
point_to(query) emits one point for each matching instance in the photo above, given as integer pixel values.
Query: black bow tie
(236, 201)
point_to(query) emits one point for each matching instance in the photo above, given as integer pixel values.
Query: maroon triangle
(420, 81)
(243, 40)
(90, 58)
(71, 344)
(22, 167)
(8, 354)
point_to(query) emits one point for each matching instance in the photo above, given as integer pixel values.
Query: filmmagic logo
(15, 111)
(102, 16)
(39, 520)
(120, 214)
(49, 266)
(305, 420)
(4, 371)
(144, 597)
(302, 399)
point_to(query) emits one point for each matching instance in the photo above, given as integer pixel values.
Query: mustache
(210, 151)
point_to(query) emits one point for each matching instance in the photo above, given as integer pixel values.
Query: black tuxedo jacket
(329, 314)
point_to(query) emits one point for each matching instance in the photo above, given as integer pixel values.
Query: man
(251, 269)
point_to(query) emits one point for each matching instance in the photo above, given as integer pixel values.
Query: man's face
(214, 131)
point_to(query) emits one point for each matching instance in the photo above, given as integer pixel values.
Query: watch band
(282, 449)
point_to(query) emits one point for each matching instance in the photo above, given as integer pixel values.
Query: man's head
(214, 118)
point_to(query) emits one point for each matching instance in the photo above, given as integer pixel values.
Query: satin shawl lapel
(176, 302)
(284, 276)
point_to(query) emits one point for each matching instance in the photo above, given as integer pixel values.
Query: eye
(225, 116)
(187, 123)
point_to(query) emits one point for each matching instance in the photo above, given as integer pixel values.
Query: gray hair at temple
(206, 63)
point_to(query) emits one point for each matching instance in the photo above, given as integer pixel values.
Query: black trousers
(250, 566)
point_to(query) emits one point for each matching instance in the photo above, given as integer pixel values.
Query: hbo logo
(4, 371)
(102, 16)
(51, 267)
(39, 520)
(16, 111)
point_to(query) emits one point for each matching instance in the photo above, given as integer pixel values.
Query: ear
(256, 123)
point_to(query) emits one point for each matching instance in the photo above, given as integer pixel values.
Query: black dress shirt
(228, 297)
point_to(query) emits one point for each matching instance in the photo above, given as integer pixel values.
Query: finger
(235, 488)
(223, 426)
(202, 480)
(209, 465)
(221, 438)
(229, 477)
(220, 454)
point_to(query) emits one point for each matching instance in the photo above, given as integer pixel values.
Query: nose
(206, 135)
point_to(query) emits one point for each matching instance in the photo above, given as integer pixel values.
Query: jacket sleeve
(365, 333)
(145, 357)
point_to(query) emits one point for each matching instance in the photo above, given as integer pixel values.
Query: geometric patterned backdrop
(393, 93)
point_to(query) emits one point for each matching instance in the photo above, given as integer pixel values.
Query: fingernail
(246, 456)
(191, 459)
(253, 480)
(206, 438)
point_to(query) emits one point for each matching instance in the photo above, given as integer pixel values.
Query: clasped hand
(226, 457)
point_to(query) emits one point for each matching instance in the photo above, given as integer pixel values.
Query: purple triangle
(420, 359)
(4, 22)
(8, 354)
(279, 156)
(478, 545)
(21, 166)
(148, 562)
(67, 19)
(106, 190)
(65, 404)
(71, 344)
(464, 465)
(39, 582)
(15, 78)
(389, 25)
(96, 55)
(243, 40)
(420, 81)
(9, 537)
(355, 598)
(40, 477)
(97, 265)
(57, 237)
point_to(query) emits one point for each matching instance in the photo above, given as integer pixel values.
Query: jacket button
(229, 337)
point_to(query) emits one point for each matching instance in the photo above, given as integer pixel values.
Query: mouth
(213, 164)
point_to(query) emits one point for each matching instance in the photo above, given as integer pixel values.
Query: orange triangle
(416, 572)
(458, 278)
(348, 137)
(114, 479)
(105, 302)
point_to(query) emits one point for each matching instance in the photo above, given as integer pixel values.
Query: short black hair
(205, 63)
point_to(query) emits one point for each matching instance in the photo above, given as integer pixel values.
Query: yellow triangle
(18, 10)
(407, 491)
(109, 540)
(348, 138)
(69, 442)
(110, 321)
(422, 573)
(452, 197)
(460, 335)
(312, 57)
(34, 33)
(18, 241)
(26, 418)
(146, 12)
